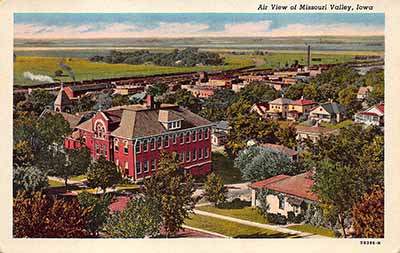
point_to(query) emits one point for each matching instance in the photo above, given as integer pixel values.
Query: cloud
(176, 29)
(250, 28)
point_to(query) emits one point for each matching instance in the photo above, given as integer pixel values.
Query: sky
(127, 25)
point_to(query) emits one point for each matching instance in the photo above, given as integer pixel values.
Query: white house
(372, 116)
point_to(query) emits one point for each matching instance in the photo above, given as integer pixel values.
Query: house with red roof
(132, 136)
(283, 149)
(261, 109)
(300, 107)
(372, 116)
(286, 193)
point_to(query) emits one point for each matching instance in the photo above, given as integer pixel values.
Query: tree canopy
(103, 174)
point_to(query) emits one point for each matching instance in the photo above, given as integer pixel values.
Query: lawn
(229, 228)
(312, 229)
(78, 178)
(127, 187)
(223, 167)
(245, 213)
(339, 125)
(53, 183)
(86, 70)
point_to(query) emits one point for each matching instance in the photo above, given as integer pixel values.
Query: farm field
(37, 63)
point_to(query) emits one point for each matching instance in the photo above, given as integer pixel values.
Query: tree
(52, 129)
(258, 92)
(40, 99)
(142, 217)
(40, 216)
(295, 91)
(22, 153)
(245, 126)
(214, 189)
(173, 189)
(368, 215)
(104, 101)
(118, 100)
(310, 92)
(215, 106)
(28, 178)
(348, 98)
(103, 174)
(99, 210)
(185, 99)
(157, 89)
(287, 136)
(266, 164)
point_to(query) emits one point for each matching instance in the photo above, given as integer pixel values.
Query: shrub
(276, 218)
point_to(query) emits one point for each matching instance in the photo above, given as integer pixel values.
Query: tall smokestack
(308, 55)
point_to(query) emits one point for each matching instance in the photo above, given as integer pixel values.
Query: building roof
(263, 107)
(364, 90)
(381, 107)
(299, 185)
(281, 101)
(72, 119)
(168, 115)
(333, 108)
(280, 148)
(303, 102)
(62, 98)
(222, 124)
(89, 87)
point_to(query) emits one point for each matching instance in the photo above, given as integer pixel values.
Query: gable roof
(281, 101)
(381, 107)
(333, 108)
(303, 102)
(280, 148)
(299, 185)
(62, 98)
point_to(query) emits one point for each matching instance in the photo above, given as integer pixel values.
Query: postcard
(213, 126)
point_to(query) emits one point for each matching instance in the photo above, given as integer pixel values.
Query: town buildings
(286, 193)
(300, 107)
(330, 112)
(372, 116)
(313, 133)
(279, 107)
(133, 137)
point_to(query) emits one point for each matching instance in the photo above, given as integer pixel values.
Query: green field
(86, 70)
(230, 228)
(245, 213)
(314, 230)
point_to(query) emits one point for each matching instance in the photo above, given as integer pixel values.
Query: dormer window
(170, 119)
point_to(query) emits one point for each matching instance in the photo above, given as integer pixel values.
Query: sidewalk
(259, 225)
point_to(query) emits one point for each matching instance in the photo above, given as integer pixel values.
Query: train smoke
(42, 78)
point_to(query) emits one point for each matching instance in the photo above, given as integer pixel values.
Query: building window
(146, 166)
(116, 145)
(194, 156)
(200, 135)
(200, 153)
(152, 144)
(194, 136)
(187, 156)
(145, 146)
(138, 168)
(180, 157)
(187, 137)
(166, 141)
(181, 138)
(126, 147)
(170, 125)
(137, 147)
(126, 166)
(206, 134)
(153, 165)
(159, 142)
(174, 138)
(206, 153)
(104, 150)
(281, 203)
(96, 148)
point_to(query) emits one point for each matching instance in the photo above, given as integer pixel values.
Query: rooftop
(299, 185)
(280, 148)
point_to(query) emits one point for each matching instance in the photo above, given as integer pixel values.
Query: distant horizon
(195, 25)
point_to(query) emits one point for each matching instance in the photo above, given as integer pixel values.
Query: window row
(165, 141)
(145, 166)
(194, 155)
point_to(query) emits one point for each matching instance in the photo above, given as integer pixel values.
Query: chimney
(308, 55)
(150, 102)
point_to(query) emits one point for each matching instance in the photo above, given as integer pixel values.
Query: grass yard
(78, 178)
(127, 187)
(245, 213)
(86, 70)
(53, 183)
(223, 167)
(339, 125)
(230, 228)
(312, 229)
